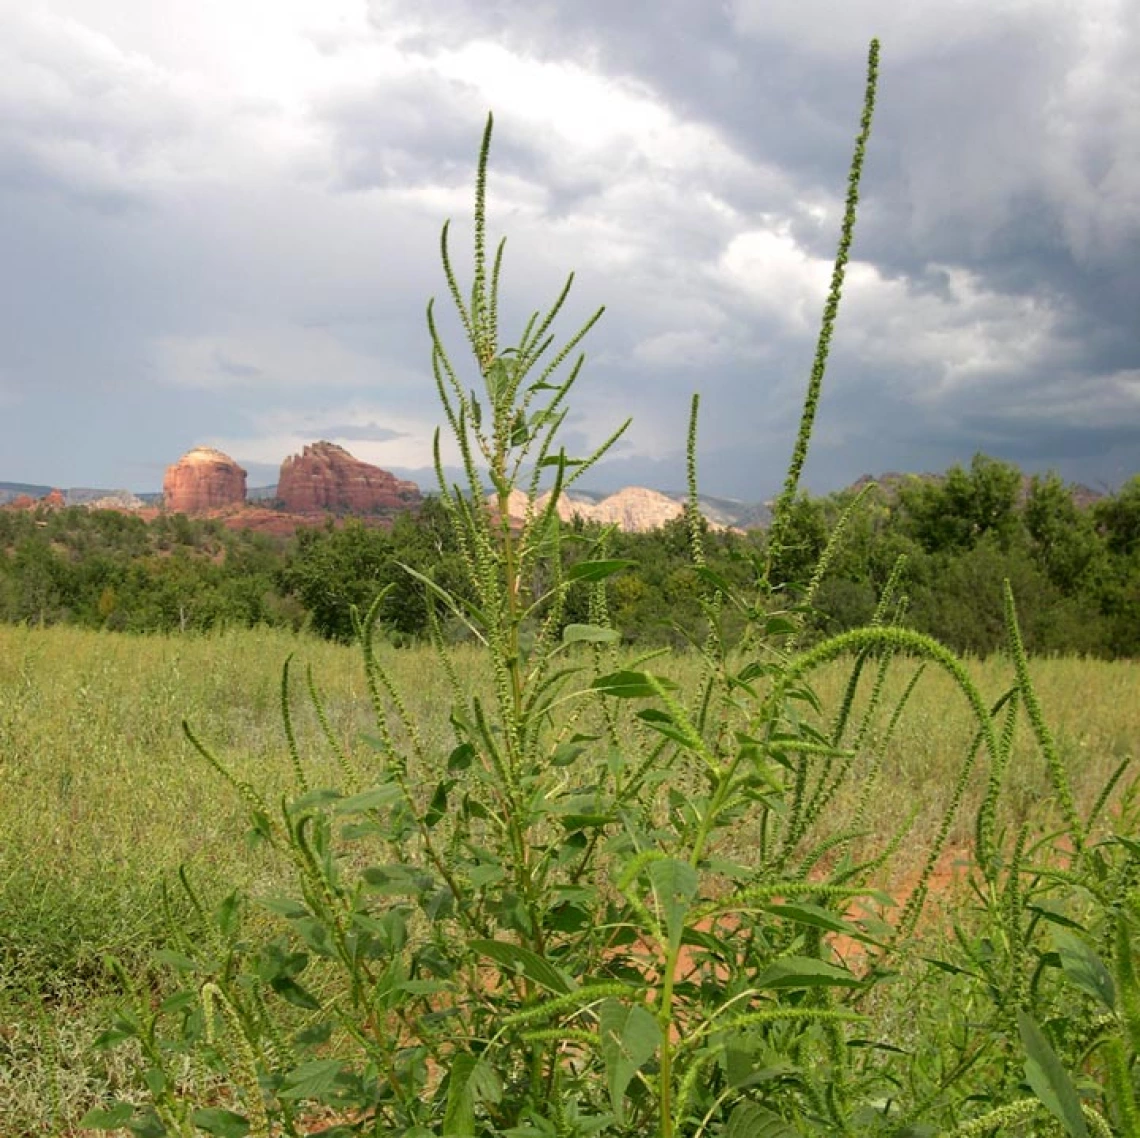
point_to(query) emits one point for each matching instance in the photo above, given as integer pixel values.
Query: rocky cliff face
(325, 476)
(201, 480)
(634, 509)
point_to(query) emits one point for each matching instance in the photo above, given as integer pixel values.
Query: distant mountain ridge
(632, 507)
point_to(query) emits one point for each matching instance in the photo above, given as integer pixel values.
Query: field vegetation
(532, 881)
(105, 799)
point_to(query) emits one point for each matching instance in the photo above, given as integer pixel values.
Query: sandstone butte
(203, 479)
(325, 476)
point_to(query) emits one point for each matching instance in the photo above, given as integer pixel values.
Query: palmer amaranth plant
(614, 907)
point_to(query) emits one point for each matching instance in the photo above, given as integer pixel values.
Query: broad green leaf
(227, 914)
(630, 1037)
(176, 960)
(316, 1034)
(437, 808)
(749, 1120)
(224, 1123)
(675, 885)
(1085, 969)
(597, 570)
(805, 913)
(314, 1079)
(461, 758)
(631, 685)
(662, 721)
(1049, 1080)
(293, 993)
(589, 634)
(375, 799)
(397, 879)
(529, 963)
(353, 831)
(314, 799)
(566, 753)
(713, 578)
(113, 1119)
(804, 972)
(284, 907)
(180, 1001)
(112, 1037)
(471, 1081)
(777, 625)
(498, 378)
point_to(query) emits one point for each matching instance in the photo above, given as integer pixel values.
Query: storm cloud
(221, 226)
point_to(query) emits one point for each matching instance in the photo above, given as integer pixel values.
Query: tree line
(1075, 570)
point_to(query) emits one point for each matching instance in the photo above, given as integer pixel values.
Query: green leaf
(178, 1002)
(566, 753)
(675, 885)
(293, 993)
(631, 685)
(589, 634)
(712, 578)
(284, 907)
(461, 758)
(662, 721)
(804, 972)
(597, 570)
(748, 1120)
(112, 1037)
(437, 808)
(530, 964)
(313, 1080)
(176, 960)
(224, 1123)
(630, 1038)
(1085, 969)
(397, 879)
(471, 1081)
(498, 378)
(375, 799)
(1049, 1080)
(314, 798)
(113, 1119)
(804, 913)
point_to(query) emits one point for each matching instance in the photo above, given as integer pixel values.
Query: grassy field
(103, 797)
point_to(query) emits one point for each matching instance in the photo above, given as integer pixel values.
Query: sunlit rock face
(634, 509)
(325, 477)
(203, 479)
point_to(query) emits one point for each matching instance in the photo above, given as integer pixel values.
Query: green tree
(955, 512)
(1064, 541)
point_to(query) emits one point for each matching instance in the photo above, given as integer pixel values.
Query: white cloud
(286, 430)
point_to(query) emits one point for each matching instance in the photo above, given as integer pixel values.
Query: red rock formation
(326, 477)
(203, 479)
(54, 500)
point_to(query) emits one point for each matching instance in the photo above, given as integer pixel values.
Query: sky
(220, 219)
